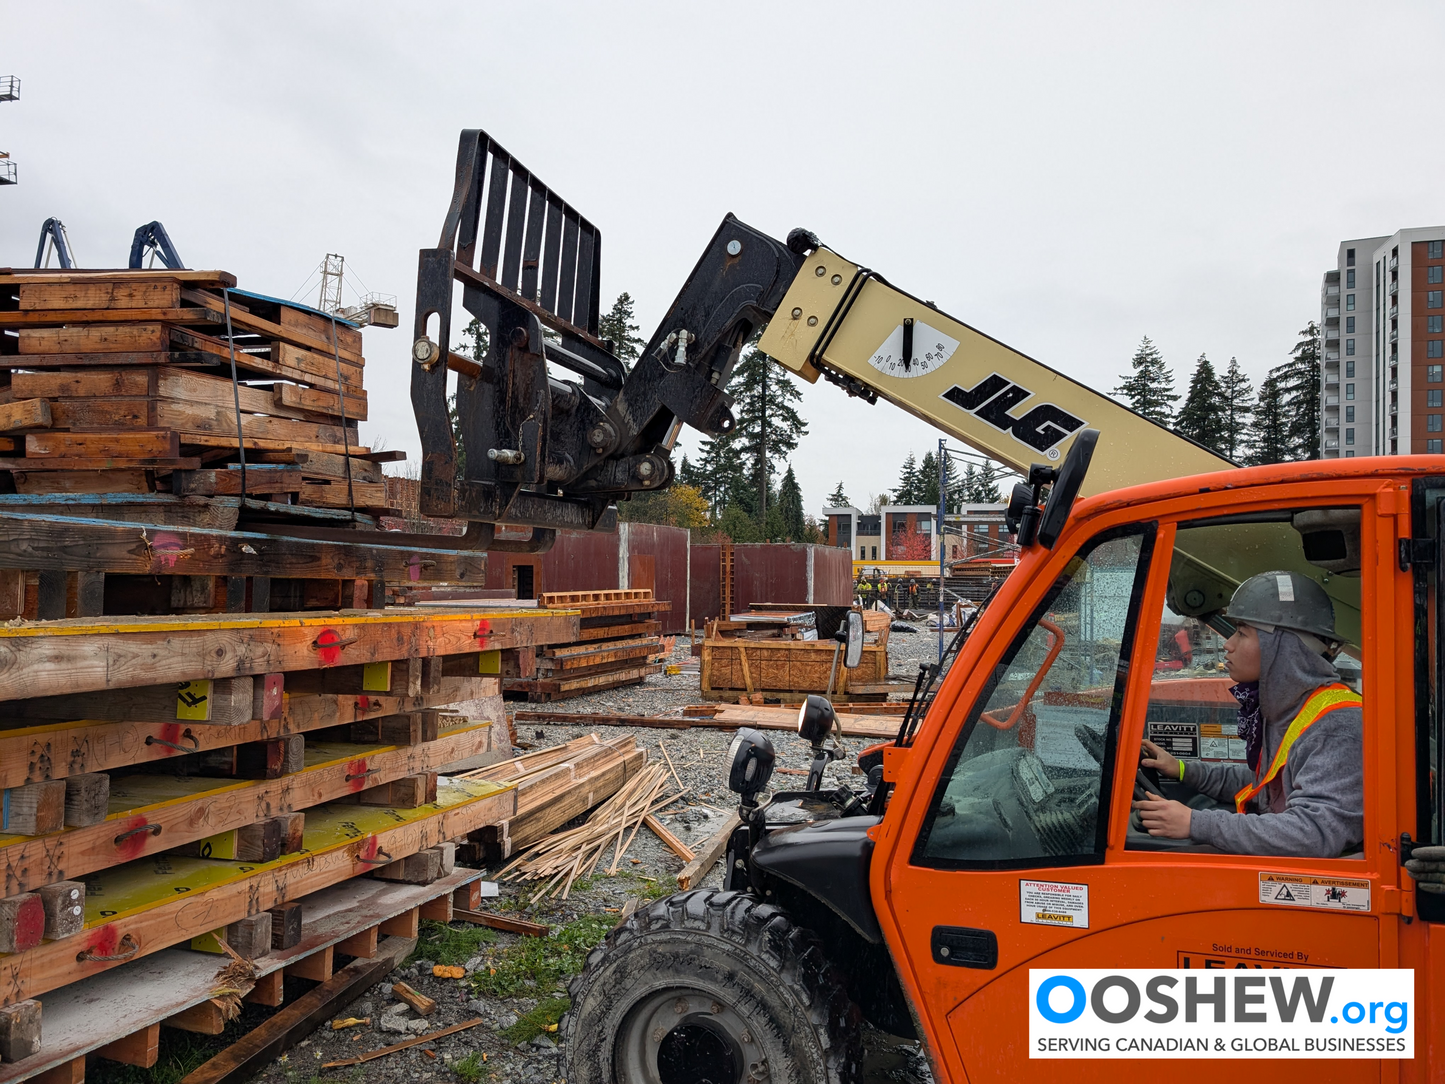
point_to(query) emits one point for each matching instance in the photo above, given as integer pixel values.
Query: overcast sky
(1066, 177)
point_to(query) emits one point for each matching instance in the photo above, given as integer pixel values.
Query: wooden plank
(92, 338)
(208, 811)
(363, 494)
(437, 910)
(141, 358)
(286, 925)
(84, 383)
(64, 905)
(207, 1018)
(670, 841)
(85, 317)
(87, 799)
(141, 1049)
(501, 922)
(22, 276)
(127, 445)
(78, 655)
(317, 967)
(210, 483)
(361, 945)
(405, 924)
(607, 632)
(154, 294)
(418, 1001)
(285, 360)
(81, 481)
(52, 751)
(299, 328)
(221, 702)
(80, 544)
(405, 1044)
(25, 414)
(324, 464)
(320, 400)
(269, 990)
(262, 1044)
(38, 465)
(693, 873)
(68, 1072)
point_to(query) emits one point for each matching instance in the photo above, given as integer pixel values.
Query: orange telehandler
(994, 836)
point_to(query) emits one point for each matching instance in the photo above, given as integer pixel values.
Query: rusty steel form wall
(771, 572)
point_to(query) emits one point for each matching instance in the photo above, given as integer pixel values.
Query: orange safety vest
(1322, 701)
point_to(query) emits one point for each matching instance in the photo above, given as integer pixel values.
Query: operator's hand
(1162, 817)
(1427, 866)
(1162, 762)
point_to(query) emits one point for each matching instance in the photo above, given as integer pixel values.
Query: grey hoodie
(1314, 808)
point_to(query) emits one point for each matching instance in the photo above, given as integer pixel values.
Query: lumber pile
(120, 382)
(303, 756)
(620, 643)
(769, 654)
(552, 786)
(555, 862)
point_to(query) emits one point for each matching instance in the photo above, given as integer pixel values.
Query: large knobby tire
(711, 988)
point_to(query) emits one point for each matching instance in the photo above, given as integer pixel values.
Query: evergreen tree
(768, 423)
(1238, 408)
(616, 324)
(790, 506)
(926, 491)
(839, 499)
(1270, 436)
(1201, 418)
(718, 474)
(985, 489)
(1300, 381)
(906, 492)
(1150, 389)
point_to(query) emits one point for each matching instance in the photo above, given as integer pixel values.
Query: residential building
(1382, 320)
(905, 532)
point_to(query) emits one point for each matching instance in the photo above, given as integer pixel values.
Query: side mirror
(1066, 487)
(853, 653)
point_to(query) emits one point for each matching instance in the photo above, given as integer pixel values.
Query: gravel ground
(699, 756)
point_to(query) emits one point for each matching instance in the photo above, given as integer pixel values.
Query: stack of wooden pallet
(620, 643)
(120, 382)
(174, 782)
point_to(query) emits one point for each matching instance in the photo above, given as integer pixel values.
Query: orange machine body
(1173, 910)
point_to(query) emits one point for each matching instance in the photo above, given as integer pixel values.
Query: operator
(1303, 791)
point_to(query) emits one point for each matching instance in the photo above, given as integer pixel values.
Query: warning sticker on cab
(1054, 903)
(1303, 890)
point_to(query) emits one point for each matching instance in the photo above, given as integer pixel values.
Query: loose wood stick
(428, 1037)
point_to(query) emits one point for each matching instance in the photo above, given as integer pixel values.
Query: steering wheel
(1056, 644)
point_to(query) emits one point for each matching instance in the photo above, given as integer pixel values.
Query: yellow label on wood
(209, 942)
(376, 677)
(193, 700)
(218, 846)
(489, 662)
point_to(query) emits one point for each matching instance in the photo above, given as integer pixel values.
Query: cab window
(1191, 713)
(1024, 783)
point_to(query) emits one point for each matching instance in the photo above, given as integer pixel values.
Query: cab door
(1022, 857)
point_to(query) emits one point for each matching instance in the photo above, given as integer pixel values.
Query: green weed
(537, 1022)
(539, 965)
(445, 944)
(471, 1069)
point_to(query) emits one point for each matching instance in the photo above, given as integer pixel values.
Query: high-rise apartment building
(1382, 320)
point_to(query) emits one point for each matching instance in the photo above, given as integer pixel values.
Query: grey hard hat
(1284, 600)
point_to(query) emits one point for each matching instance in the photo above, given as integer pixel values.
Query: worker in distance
(1302, 792)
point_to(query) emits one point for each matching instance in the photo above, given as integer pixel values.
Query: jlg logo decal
(990, 400)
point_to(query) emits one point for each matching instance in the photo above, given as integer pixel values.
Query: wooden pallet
(173, 987)
(558, 599)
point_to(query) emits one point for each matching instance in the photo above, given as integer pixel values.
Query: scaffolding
(9, 92)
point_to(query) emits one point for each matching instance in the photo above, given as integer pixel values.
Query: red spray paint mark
(356, 775)
(484, 631)
(328, 647)
(272, 696)
(363, 705)
(167, 549)
(103, 942)
(28, 920)
(413, 568)
(131, 846)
